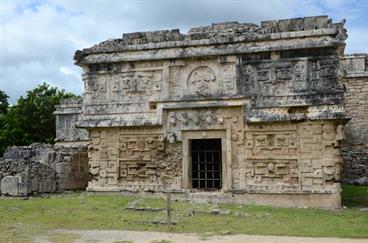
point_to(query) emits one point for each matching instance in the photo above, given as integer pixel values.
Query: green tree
(3, 111)
(31, 119)
(3, 102)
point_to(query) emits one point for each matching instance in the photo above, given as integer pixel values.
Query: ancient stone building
(355, 146)
(228, 112)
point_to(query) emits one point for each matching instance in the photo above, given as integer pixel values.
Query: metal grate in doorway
(206, 164)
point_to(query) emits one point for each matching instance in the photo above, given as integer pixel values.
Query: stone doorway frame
(225, 156)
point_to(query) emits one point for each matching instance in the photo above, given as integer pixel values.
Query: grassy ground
(355, 196)
(20, 220)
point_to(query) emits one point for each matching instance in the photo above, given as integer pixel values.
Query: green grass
(355, 196)
(20, 220)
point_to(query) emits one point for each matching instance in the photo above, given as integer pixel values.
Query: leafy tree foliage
(3, 102)
(3, 111)
(31, 119)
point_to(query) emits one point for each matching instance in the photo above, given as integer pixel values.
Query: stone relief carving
(136, 160)
(200, 118)
(271, 143)
(317, 171)
(288, 77)
(229, 77)
(137, 82)
(202, 81)
(271, 157)
(176, 76)
(202, 75)
(203, 78)
(300, 75)
(302, 157)
(272, 172)
(127, 91)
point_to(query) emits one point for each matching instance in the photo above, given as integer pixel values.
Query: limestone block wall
(293, 157)
(67, 114)
(133, 160)
(24, 170)
(355, 147)
(41, 168)
(263, 158)
(71, 167)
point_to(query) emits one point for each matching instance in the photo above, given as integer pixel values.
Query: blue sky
(38, 38)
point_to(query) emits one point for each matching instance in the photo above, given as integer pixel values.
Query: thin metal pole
(168, 211)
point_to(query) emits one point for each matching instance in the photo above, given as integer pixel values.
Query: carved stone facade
(134, 159)
(271, 94)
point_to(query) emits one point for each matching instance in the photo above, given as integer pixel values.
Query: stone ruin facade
(355, 145)
(25, 170)
(228, 112)
(41, 168)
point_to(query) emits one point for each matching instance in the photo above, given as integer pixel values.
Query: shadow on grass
(354, 196)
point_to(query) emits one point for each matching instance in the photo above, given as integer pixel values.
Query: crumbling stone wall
(27, 170)
(71, 160)
(41, 168)
(271, 93)
(355, 146)
(71, 166)
(22, 178)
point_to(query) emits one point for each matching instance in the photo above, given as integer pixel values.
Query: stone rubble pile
(41, 168)
(21, 177)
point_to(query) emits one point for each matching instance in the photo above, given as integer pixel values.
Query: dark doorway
(206, 164)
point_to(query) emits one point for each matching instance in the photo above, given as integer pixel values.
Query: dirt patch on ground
(160, 237)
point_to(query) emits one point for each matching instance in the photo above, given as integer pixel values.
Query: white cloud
(38, 38)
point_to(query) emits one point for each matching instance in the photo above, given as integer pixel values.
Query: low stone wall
(22, 177)
(41, 168)
(71, 167)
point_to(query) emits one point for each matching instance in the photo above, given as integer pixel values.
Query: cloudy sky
(38, 38)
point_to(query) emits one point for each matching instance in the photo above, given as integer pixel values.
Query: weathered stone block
(62, 168)
(24, 186)
(10, 186)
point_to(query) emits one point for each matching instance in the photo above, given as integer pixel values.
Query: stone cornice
(230, 34)
(209, 50)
